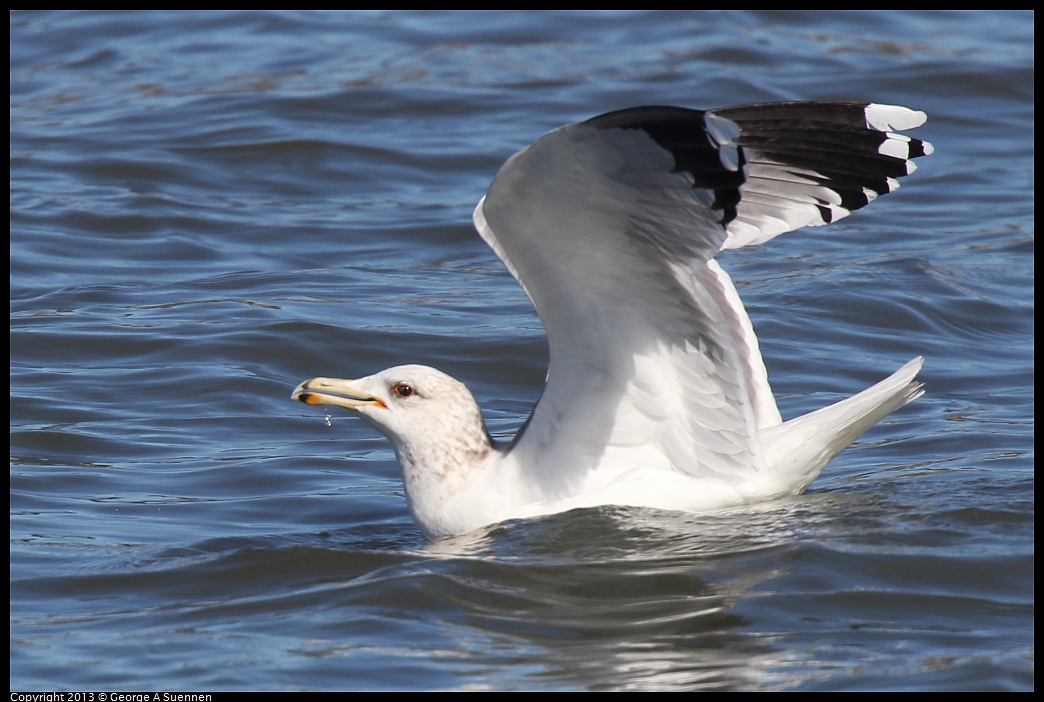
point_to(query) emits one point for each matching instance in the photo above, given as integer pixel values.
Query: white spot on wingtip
(896, 146)
(724, 133)
(886, 118)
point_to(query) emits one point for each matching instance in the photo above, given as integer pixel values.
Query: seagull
(656, 394)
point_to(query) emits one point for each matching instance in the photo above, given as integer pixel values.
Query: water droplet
(328, 418)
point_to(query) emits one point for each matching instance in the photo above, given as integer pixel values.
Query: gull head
(431, 419)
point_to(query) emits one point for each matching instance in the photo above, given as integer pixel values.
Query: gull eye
(404, 389)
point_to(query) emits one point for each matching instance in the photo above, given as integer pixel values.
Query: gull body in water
(656, 393)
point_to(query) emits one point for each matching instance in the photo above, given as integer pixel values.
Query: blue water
(207, 208)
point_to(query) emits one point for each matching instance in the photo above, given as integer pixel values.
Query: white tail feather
(802, 446)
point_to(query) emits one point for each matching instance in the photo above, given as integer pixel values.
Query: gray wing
(611, 226)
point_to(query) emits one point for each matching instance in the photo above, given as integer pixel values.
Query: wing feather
(611, 227)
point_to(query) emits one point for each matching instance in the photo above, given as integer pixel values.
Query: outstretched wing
(611, 225)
